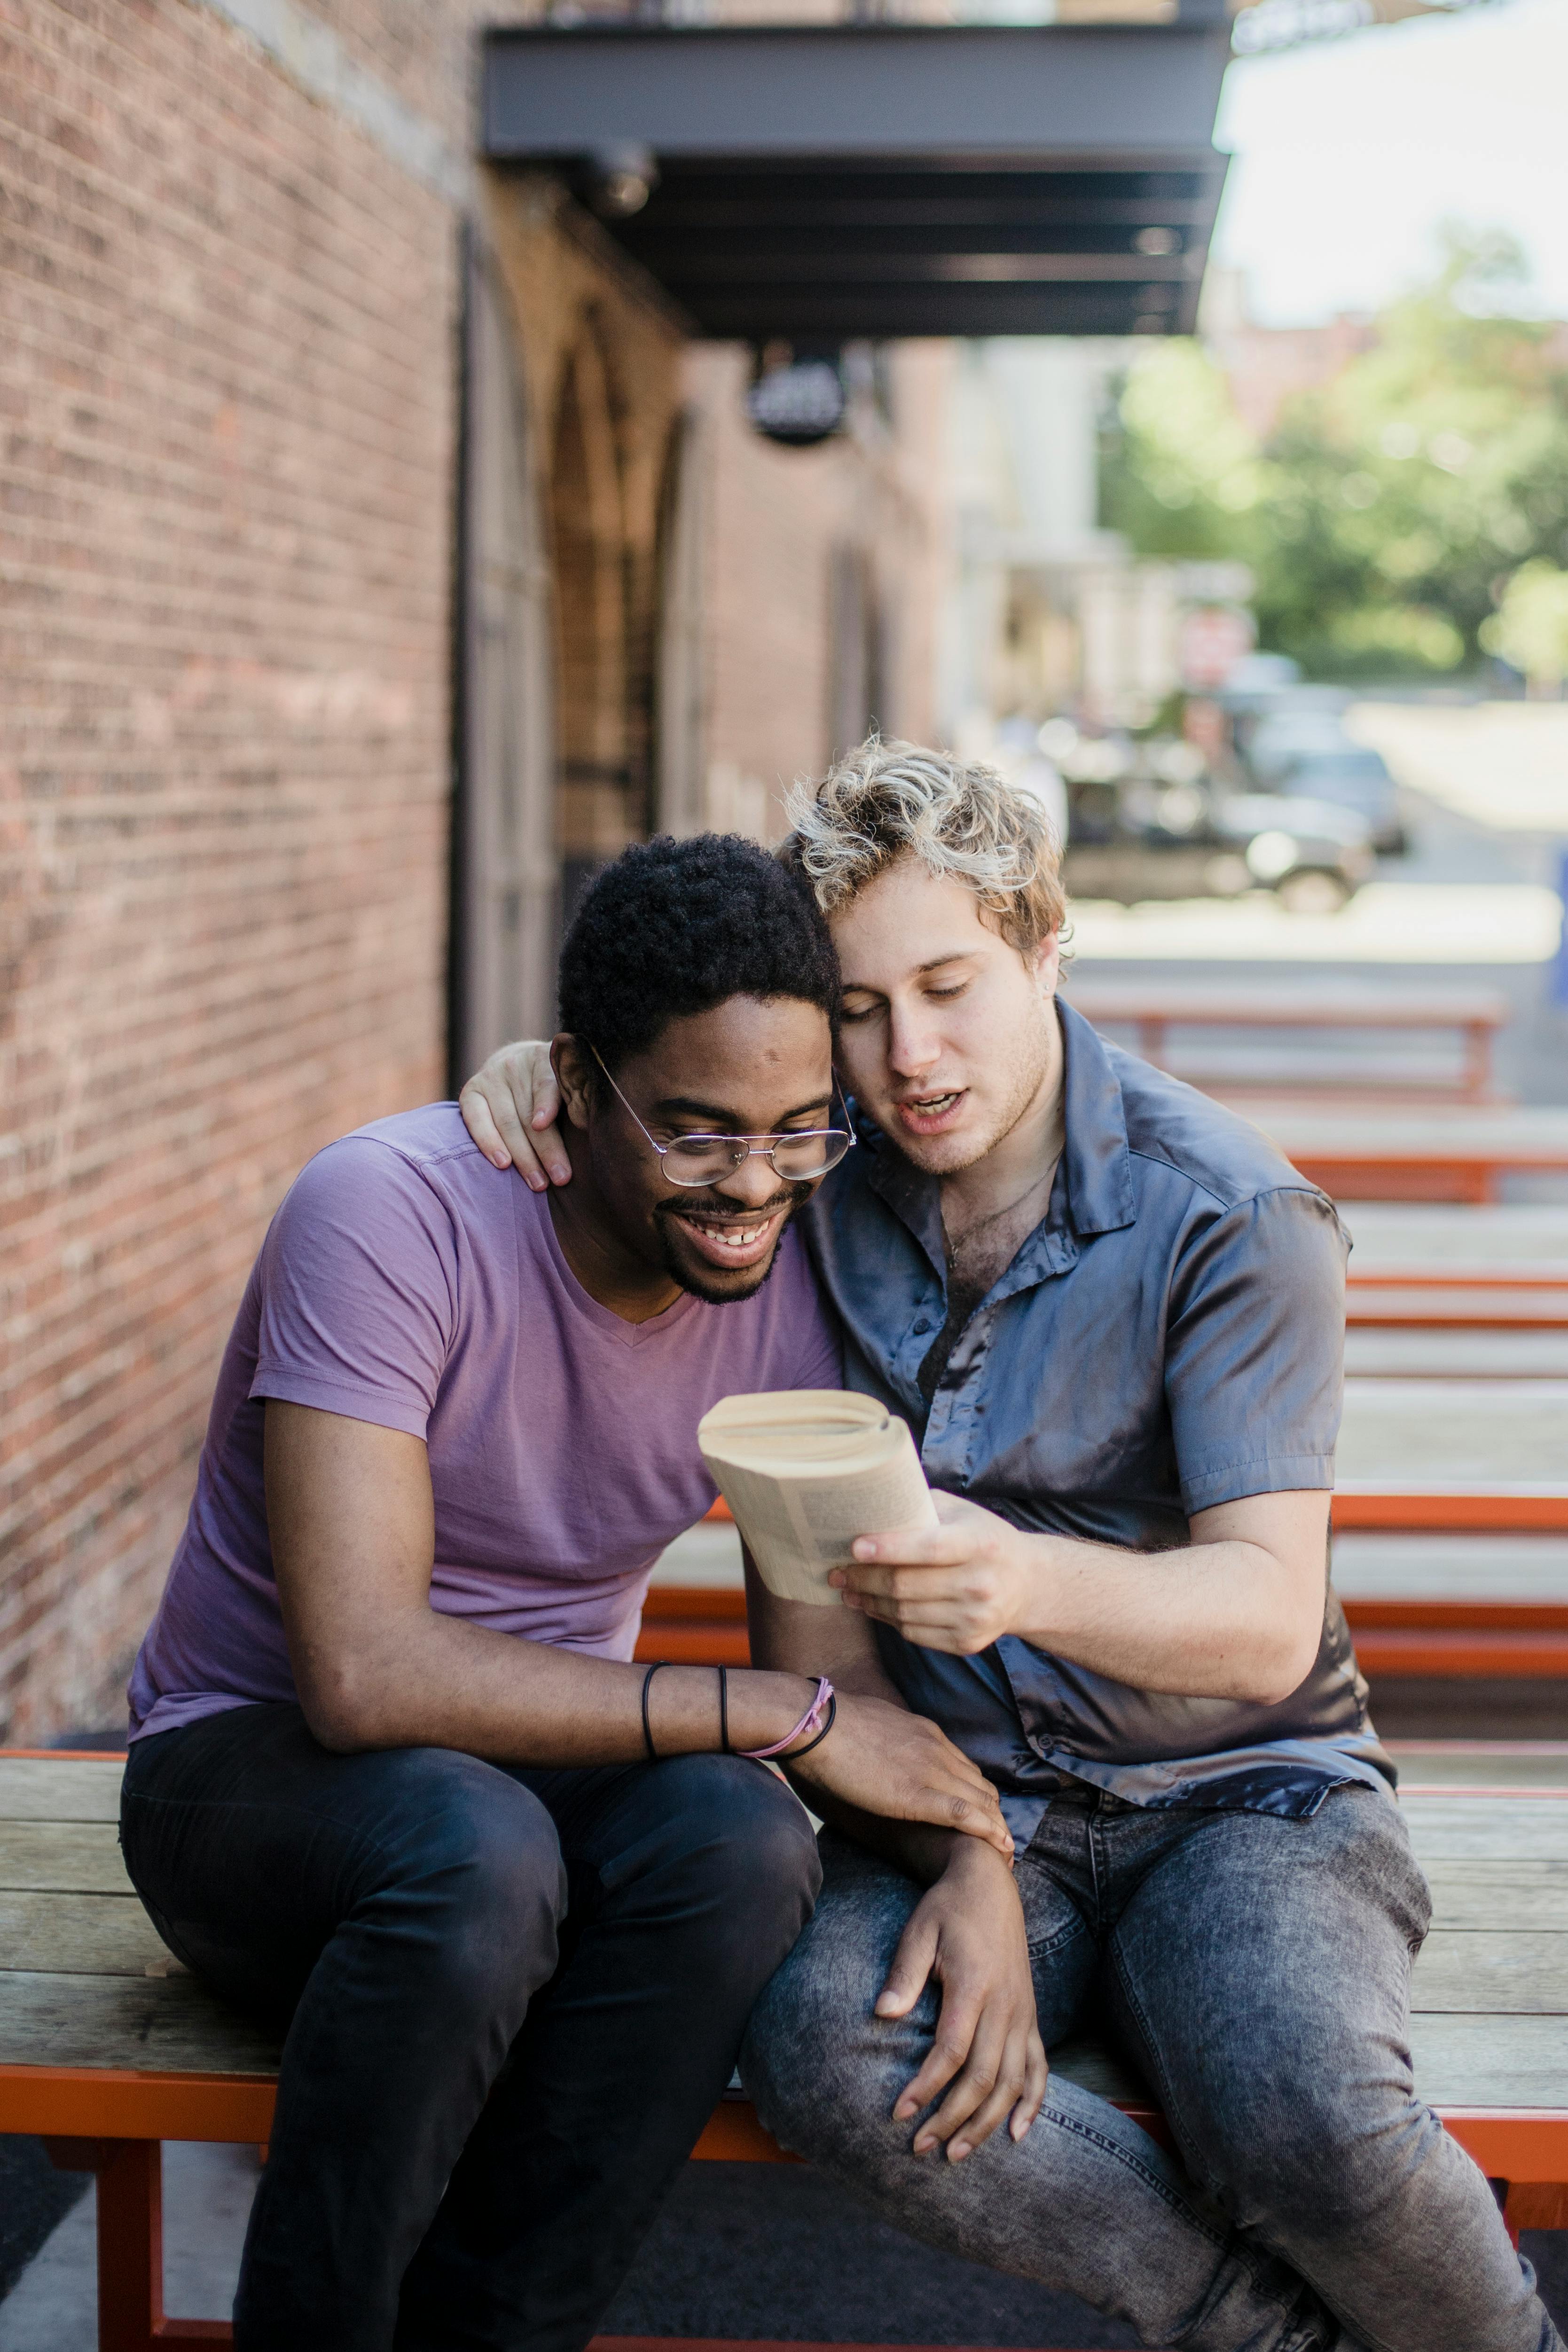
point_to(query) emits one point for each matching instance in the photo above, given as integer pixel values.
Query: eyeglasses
(795, 1157)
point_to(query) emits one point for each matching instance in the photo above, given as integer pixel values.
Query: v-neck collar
(604, 1319)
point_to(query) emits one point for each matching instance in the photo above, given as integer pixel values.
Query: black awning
(817, 185)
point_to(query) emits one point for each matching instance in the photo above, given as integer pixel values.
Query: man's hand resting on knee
(987, 2063)
(967, 1932)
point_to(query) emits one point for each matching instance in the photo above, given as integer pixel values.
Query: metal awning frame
(830, 183)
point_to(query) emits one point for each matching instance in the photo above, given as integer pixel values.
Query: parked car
(1313, 855)
(1352, 778)
(1279, 738)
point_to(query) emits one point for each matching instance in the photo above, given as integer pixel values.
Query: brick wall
(228, 409)
(227, 396)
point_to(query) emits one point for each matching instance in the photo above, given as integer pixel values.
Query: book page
(797, 1519)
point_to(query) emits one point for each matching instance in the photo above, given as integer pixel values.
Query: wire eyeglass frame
(739, 1149)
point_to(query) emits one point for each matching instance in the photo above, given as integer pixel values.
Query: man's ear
(1048, 963)
(573, 1067)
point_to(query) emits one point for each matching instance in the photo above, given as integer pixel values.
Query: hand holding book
(806, 1471)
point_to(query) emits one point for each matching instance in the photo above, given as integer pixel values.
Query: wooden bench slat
(81, 1934)
(1442, 1353)
(1301, 1006)
(1527, 1896)
(1529, 1135)
(71, 1857)
(1491, 2061)
(1445, 1241)
(1525, 1569)
(1459, 1433)
(164, 2023)
(1513, 1829)
(1439, 1306)
(46, 1788)
(1505, 1972)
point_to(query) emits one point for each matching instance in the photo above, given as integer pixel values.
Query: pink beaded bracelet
(808, 1722)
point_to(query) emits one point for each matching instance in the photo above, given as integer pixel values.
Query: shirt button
(921, 1323)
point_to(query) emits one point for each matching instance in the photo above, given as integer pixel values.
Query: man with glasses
(1113, 1315)
(394, 1782)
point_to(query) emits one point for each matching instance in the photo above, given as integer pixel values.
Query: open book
(806, 1471)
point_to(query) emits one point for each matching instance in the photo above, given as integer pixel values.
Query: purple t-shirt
(406, 1282)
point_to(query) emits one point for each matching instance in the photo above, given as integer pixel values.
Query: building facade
(379, 556)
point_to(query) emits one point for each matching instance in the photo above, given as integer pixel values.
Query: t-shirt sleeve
(359, 1289)
(1255, 1350)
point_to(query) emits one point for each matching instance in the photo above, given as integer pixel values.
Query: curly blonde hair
(886, 800)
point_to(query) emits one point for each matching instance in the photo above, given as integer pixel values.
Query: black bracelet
(647, 1726)
(795, 1754)
(724, 1710)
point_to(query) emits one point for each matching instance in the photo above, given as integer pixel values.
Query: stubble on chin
(943, 1155)
(708, 1285)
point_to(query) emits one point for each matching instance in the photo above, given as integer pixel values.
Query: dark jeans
(512, 1998)
(1258, 1969)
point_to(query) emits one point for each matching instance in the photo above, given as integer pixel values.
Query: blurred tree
(1530, 628)
(1180, 473)
(1386, 512)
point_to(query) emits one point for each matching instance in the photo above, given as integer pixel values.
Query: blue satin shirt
(1169, 1337)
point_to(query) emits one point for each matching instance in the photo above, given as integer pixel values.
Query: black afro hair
(674, 927)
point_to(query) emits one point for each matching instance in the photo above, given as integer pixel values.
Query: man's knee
(734, 1850)
(1316, 2158)
(819, 2062)
(468, 1865)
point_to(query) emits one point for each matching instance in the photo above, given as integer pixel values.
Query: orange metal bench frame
(112, 2121)
(1435, 1302)
(1471, 1641)
(1153, 1015)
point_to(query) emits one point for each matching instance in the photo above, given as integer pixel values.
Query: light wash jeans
(1257, 1969)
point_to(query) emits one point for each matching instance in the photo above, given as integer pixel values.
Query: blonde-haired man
(1113, 1315)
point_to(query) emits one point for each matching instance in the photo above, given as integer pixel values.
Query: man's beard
(1026, 1086)
(693, 1282)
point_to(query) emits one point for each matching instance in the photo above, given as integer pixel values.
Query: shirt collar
(1100, 1199)
(1094, 1184)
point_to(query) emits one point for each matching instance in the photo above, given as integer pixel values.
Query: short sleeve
(1255, 1350)
(359, 1289)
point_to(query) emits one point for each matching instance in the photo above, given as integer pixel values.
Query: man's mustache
(722, 1211)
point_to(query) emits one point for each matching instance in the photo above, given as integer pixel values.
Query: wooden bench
(1457, 1292)
(107, 2047)
(1457, 1155)
(1152, 1010)
(1445, 1245)
(1445, 1458)
(1455, 1351)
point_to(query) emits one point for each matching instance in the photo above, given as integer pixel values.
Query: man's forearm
(1208, 1620)
(1235, 1613)
(433, 1681)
